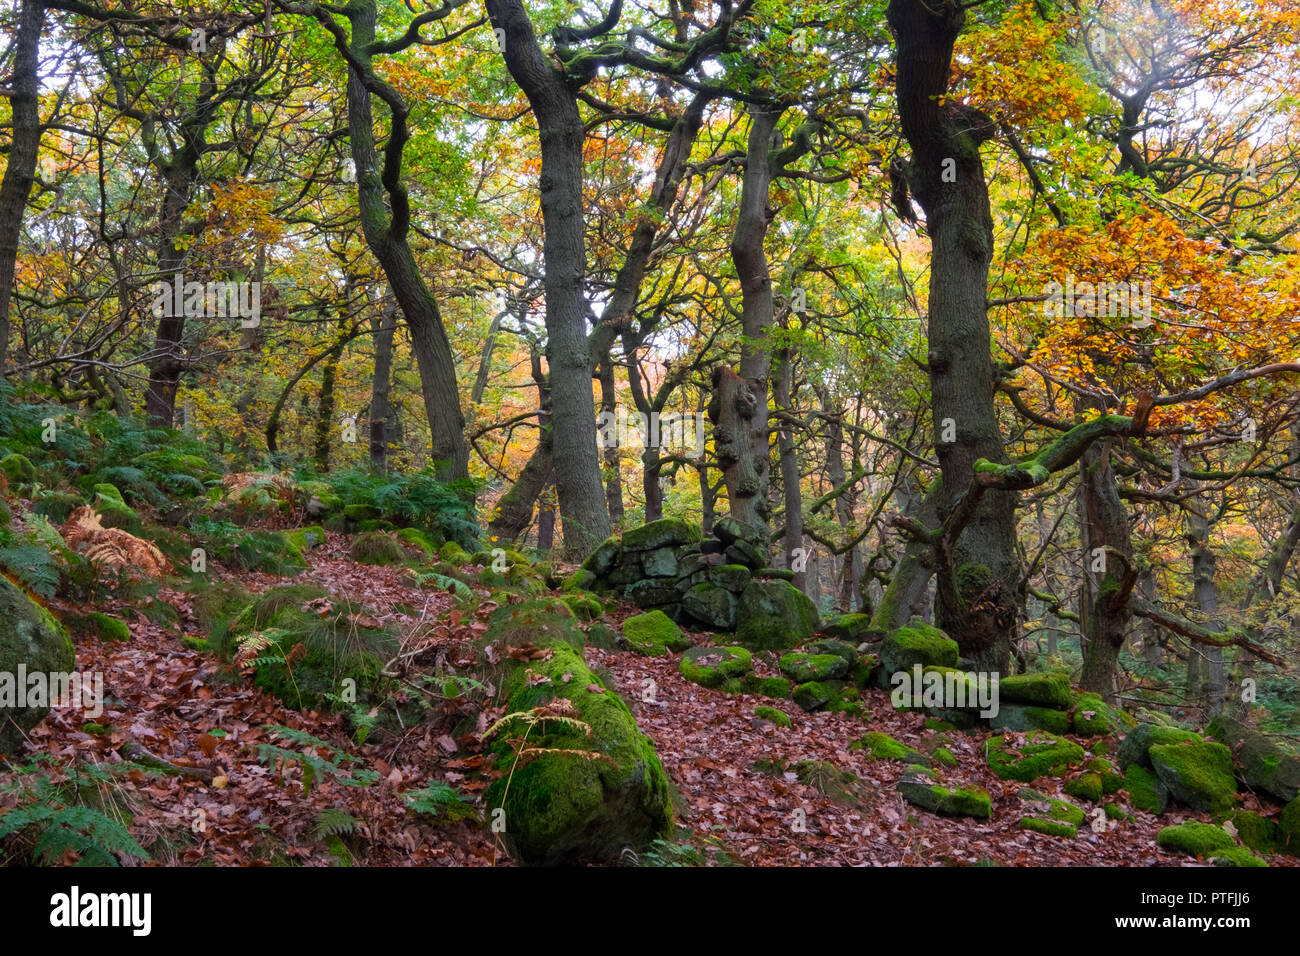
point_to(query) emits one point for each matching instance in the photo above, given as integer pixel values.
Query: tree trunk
(789, 463)
(514, 512)
(1109, 571)
(583, 511)
(384, 327)
(981, 595)
(613, 470)
(20, 171)
(385, 225)
(1207, 600)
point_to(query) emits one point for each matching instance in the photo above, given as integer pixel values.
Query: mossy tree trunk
(383, 328)
(946, 175)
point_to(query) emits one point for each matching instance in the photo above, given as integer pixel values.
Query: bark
(383, 328)
(386, 225)
(20, 168)
(789, 463)
(908, 592)
(1207, 600)
(554, 104)
(613, 472)
(1104, 613)
(945, 138)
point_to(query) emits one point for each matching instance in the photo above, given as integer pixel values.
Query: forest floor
(167, 698)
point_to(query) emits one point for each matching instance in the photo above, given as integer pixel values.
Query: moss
(1049, 827)
(1137, 743)
(944, 757)
(1026, 717)
(1043, 754)
(1145, 791)
(1235, 856)
(113, 511)
(778, 717)
(920, 787)
(1288, 828)
(1261, 763)
(1087, 786)
(377, 547)
(360, 512)
(732, 685)
(801, 668)
(564, 808)
(1198, 775)
(880, 746)
(539, 621)
(1255, 830)
(599, 635)
(1047, 690)
(304, 539)
(110, 628)
(453, 554)
(1061, 811)
(584, 606)
(418, 539)
(579, 580)
(1114, 811)
(813, 695)
(934, 723)
(654, 634)
(774, 615)
(30, 637)
(57, 505)
(1196, 839)
(1093, 717)
(711, 666)
(917, 643)
(664, 533)
(778, 687)
(18, 469)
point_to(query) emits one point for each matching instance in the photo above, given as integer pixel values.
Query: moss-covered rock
(654, 634)
(801, 668)
(579, 580)
(944, 757)
(418, 541)
(921, 788)
(1145, 791)
(593, 795)
(1256, 831)
(57, 505)
(1288, 828)
(831, 645)
(304, 539)
(1093, 717)
(1049, 808)
(1049, 827)
(1198, 775)
(734, 577)
(1045, 690)
(711, 666)
(710, 605)
(357, 513)
(601, 561)
(1260, 763)
(1022, 717)
(1086, 786)
(453, 554)
(881, 746)
(777, 687)
(778, 717)
(1235, 856)
(1133, 749)
(774, 615)
(113, 511)
(918, 643)
(585, 607)
(1042, 754)
(377, 547)
(854, 628)
(539, 621)
(664, 533)
(32, 639)
(840, 786)
(814, 695)
(1196, 839)
(104, 627)
(18, 469)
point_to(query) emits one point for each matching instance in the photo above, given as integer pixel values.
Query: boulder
(1042, 754)
(814, 695)
(802, 668)
(1026, 717)
(600, 789)
(732, 577)
(1260, 763)
(654, 634)
(918, 643)
(1196, 839)
(31, 639)
(664, 533)
(660, 563)
(1045, 690)
(830, 645)
(711, 605)
(880, 746)
(774, 615)
(713, 666)
(1133, 749)
(855, 628)
(1198, 775)
(1145, 791)
(920, 787)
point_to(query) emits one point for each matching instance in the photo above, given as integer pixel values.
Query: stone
(654, 634)
(1198, 775)
(32, 639)
(733, 577)
(713, 666)
(660, 563)
(664, 533)
(1260, 763)
(711, 605)
(774, 615)
(918, 643)
(921, 788)
(1045, 690)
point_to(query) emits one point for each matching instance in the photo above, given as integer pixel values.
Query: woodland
(650, 433)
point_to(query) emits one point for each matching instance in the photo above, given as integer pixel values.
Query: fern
(442, 802)
(33, 566)
(314, 766)
(334, 822)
